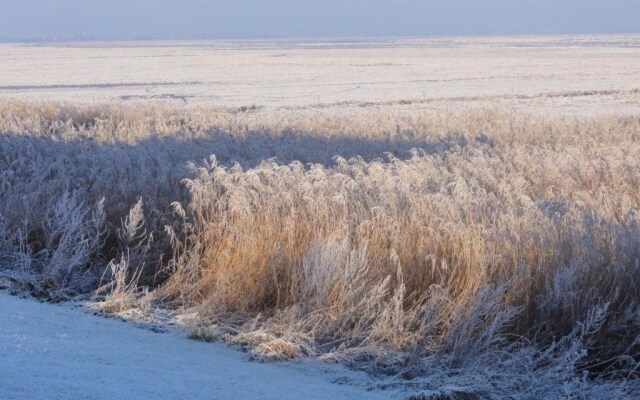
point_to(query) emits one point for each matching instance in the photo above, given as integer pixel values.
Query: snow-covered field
(63, 352)
(574, 75)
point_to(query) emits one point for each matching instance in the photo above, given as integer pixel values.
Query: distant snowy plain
(582, 74)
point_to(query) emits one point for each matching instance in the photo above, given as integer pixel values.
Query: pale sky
(47, 19)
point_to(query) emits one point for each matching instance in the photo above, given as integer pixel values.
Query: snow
(64, 352)
(574, 74)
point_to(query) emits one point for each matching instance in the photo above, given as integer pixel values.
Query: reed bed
(484, 253)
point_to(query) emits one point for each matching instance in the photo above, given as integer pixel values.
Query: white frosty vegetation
(482, 254)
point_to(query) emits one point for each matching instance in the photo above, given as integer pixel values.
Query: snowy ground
(63, 352)
(553, 74)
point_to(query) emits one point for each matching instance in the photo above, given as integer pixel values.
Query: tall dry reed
(454, 245)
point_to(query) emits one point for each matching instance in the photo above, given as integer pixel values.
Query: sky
(103, 19)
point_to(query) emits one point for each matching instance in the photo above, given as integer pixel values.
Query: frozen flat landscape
(416, 208)
(559, 74)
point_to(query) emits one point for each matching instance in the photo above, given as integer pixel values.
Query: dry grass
(492, 252)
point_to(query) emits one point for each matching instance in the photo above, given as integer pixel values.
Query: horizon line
(302, 38)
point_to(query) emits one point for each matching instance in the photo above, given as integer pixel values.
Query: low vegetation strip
(482, 253)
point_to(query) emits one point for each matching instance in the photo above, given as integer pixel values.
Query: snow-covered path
(59, 352)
